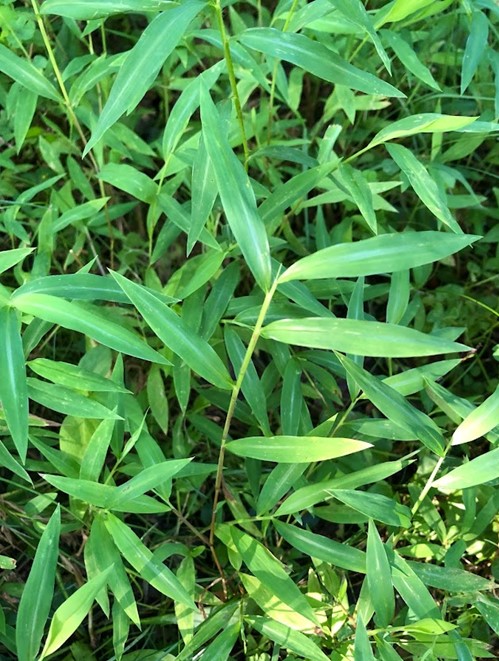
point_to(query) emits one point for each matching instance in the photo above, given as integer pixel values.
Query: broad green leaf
(105, 496)
(398, 298)
(73, 376)
(271, 572)
(316, 59)
(203, 193)
(9, 258)
(36, 598)
(409, 59)
(422, 123)
(67, 401)
(82, 212)
(143, 63)
(142, 560)
(478, 471)
(379, 578)
(148, 478)
(323, 548)
(86, 321)
(450, 579)
(94, 458)
(395, 407)
(236, 194)
(70, 614)
(476, 45)
(13, 386)
(102, 552)
(185, 617)
(479, 422)
(295, 449)
(375, 506)
(279, 481)
(88, 10)
(176, 335)
(291, 399)
(315, 493)
(129, 179)
(424, 185)
(413, 380)
(8, 461)
(26, 74)
(400, 9)
(221, 647)
(182, 219)
(489, 608)
(360, 338)
(294, 641)
(362, 645)
(207, 629)
(412, 589)
(358, 188)
(385, 253)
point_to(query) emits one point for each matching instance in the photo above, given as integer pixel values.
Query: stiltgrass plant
(248, 327)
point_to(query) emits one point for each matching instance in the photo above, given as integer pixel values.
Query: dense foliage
(248, 315)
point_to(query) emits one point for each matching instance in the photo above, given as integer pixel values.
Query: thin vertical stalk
(232, 406)
(232, 79)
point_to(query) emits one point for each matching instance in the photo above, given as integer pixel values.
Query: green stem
(232, 79)
(232, 405)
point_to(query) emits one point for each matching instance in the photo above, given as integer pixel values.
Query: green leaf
(129, 179)
(424, 185)
(70, 614)
(88, 10)
(142, 560)
(9, 258)
(295, 449)
(314, 493)
(101, 553)
(143, 63)
(316, 59)
(478, 471)
(73, 376)
(323, 548)
(357, 186)
(86, 321)
(271, 572)
(105, 496)
(83, 211)
(148, 478)
(36, 598)
(236, 194)
(26, 74)
(375, 506)
(67, 401)
(476, 45)
(421, 123)
(8, 461)
(362, 647)
(386, 253)
(412, 589)
(395, 407)
(221, 647)
(409, 59)
(176, 335)
(294, 641)
(379, 577)
(479, 422)
(94, 457)
(203, 193)
(358, 337)
(13, 386)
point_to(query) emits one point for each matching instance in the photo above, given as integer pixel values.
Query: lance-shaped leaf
(26, 74)
(295, 449)
(70, 614)
(358, 337)
(479, 422)
(421, 123)
(88, 10)
(143, 561)
(10, 258)
(176, 335)
(424, 185)
(315, 58)
(395, 407)
(86, 321)
(386, 253)
(478, 471)
(476, 45)
(238, 198)
(36, 598)
(143, 64)
(13, 387)
(294, 641)
(379, 578)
